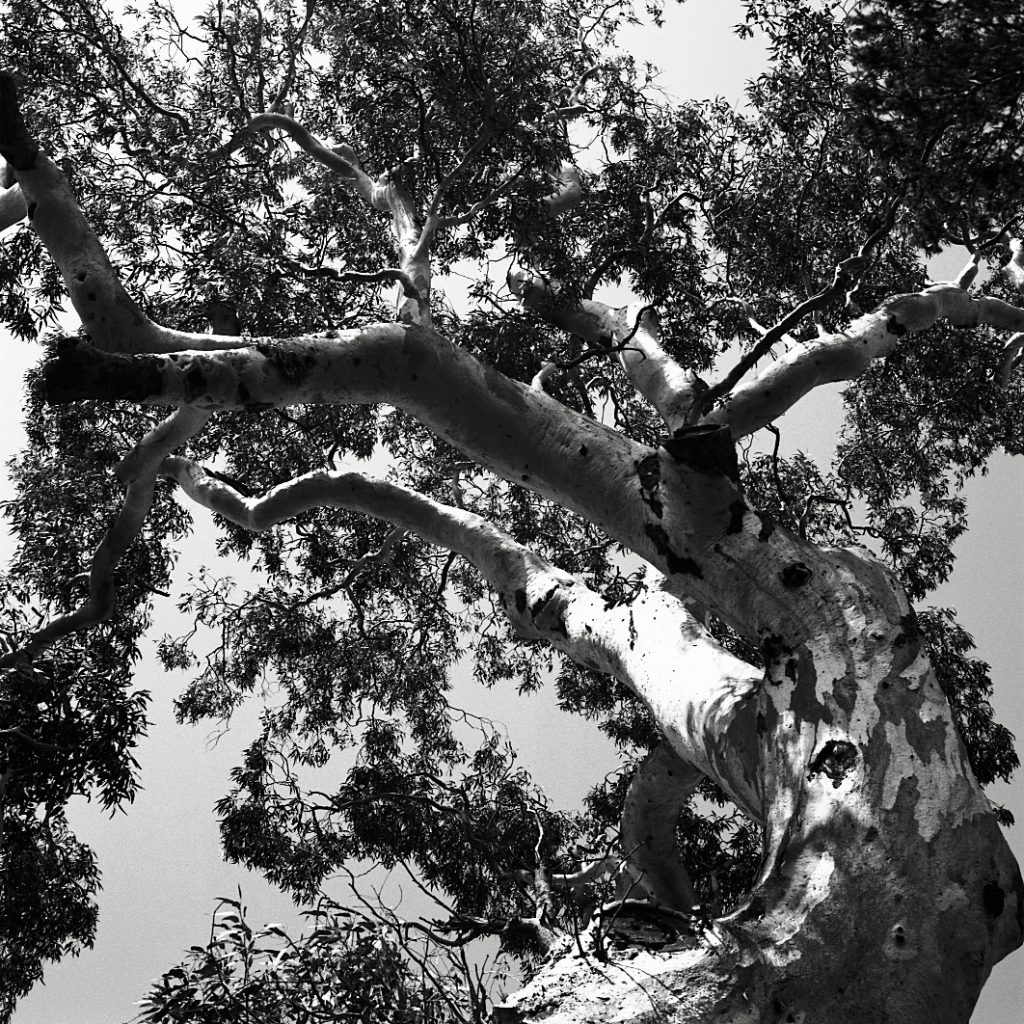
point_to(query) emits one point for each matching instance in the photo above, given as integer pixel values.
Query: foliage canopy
(721, 218)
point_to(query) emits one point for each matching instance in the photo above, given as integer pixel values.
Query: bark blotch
(795, 575)
(737, 510)
(708, 449)
(774, 648)
(910, 631)
(293, 367)
(677, 564)
(894, 327)
(542, 602)
(835, 760)
(194, 381)
(649, 474)
(993, 899)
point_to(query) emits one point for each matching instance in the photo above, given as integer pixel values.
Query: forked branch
(846, 354)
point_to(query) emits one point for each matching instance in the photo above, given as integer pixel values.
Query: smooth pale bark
(654, 801)
(385, 194)
(678, 506)
(846, 355)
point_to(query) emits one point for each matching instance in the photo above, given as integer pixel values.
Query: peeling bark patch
(649, 474)
(795, 575)
(676, 563)
(737, 510)
(844, 690)
(520, 601)
(707, 449)
(774, 650)
(835, 760)
(993, 899)
(894, 327)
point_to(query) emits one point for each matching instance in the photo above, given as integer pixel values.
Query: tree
(563, 494)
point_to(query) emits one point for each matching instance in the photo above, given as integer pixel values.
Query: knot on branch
(849, 270)
(707, 448)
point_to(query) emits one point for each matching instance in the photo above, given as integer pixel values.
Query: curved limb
(111, 317)
(702, 694)
(846, 354)
(138, 471)
(386, 194)
(341, 159)
(654, 801)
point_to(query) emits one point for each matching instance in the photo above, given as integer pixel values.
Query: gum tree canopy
(522, 480)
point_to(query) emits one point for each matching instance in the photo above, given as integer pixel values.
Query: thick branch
(568, 193)
(844, 356)
(111, 317)
(385, 194)
(845, 275)
(698, 691)
(654, 801)
(679, 506)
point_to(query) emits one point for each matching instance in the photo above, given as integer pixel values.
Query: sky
(161, 861)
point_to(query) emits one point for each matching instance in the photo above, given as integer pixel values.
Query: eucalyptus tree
(525, 479)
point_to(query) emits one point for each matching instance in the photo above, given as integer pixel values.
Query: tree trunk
(887, 891)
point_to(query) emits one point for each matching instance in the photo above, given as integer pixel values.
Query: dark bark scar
(835, 760)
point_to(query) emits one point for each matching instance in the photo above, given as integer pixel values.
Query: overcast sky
(161, 861)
